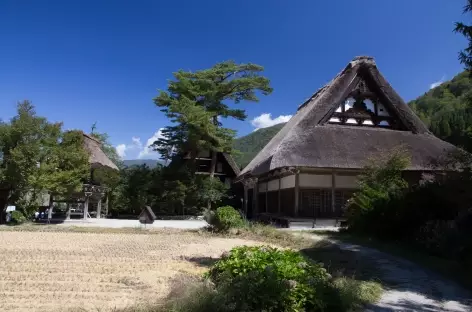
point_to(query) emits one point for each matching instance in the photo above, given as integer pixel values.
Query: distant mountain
(151, 163)
(252, 143)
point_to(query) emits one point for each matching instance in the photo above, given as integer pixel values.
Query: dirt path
(410, 287)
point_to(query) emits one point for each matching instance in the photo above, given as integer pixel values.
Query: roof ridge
(313, 112)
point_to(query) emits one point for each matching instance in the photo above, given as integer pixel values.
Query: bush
(17, 217)
(253, 279)
(224, 218)
(269, 279)
(434, 216)
(380, 183)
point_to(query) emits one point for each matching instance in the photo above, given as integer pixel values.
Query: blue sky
(82, 61)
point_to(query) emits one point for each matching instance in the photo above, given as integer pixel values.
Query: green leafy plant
(381, 181)
(270, 279)
(224, 218)
(17, 217)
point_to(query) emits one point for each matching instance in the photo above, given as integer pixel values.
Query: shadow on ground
(341, 262)
(408, 286)
(202, 261)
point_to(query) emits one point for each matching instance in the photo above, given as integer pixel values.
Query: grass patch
(188, 294)
(448, 268)
(354, 294)
(41, 227)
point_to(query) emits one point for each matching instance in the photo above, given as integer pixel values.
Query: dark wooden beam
(333, 191)
(279, 208)
(297, 192)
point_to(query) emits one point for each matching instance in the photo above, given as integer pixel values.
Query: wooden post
(266, 194)
(68, 212)
(245, 199)
(99, 206)
(255, 197)
(86, 206)
(297, 192)
(106, 205)
(279, 195)
(51, 206)
(333, 191)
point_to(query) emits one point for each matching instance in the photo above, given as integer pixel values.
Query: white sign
(11, 208)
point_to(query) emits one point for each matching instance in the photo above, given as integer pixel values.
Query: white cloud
(265, 120)
(437, 83)
(147, 151)
(121, 150)
(137, 142)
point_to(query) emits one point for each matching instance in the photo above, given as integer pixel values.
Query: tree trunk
(106, 205)
(4, 195)
(3, 214)
(214, 155)
(68, 212)
(50, 208)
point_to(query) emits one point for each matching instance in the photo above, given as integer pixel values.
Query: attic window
(364, 110)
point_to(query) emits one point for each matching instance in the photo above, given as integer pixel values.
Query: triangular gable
(365, 105)
(313, 117)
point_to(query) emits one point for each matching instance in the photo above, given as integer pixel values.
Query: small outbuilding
(147, 216)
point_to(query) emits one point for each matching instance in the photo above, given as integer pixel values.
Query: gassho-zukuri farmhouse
(309, 169)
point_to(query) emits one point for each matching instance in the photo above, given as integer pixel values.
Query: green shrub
(269, 279)
(17, 217)
(224, 218)
(380, 182)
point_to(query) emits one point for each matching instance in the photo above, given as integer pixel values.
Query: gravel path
(410, 287)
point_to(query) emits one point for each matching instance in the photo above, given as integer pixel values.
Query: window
(219, 167)
(363, 108)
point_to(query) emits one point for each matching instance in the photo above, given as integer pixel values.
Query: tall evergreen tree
(465, 56)
(195, 101)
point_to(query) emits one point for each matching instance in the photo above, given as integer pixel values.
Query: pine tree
(465, 56)
(195, 101)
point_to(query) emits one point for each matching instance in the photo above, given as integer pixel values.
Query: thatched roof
(97, 156)
(308, 140)
(232, 163)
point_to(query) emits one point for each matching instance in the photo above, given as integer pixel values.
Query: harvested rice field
(67, 271)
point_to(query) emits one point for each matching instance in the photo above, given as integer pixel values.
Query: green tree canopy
(465, 56)
(37, 156)
(194, 102)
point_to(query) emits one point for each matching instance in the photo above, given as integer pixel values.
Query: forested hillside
(445, 109)
(251, 144)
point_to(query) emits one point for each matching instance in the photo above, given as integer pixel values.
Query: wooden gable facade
(310, 167)
(226, 168)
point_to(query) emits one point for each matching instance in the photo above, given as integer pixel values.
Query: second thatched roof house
(97, 158)
(309, 168)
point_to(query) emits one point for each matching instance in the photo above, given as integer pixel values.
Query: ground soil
(60, 271)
